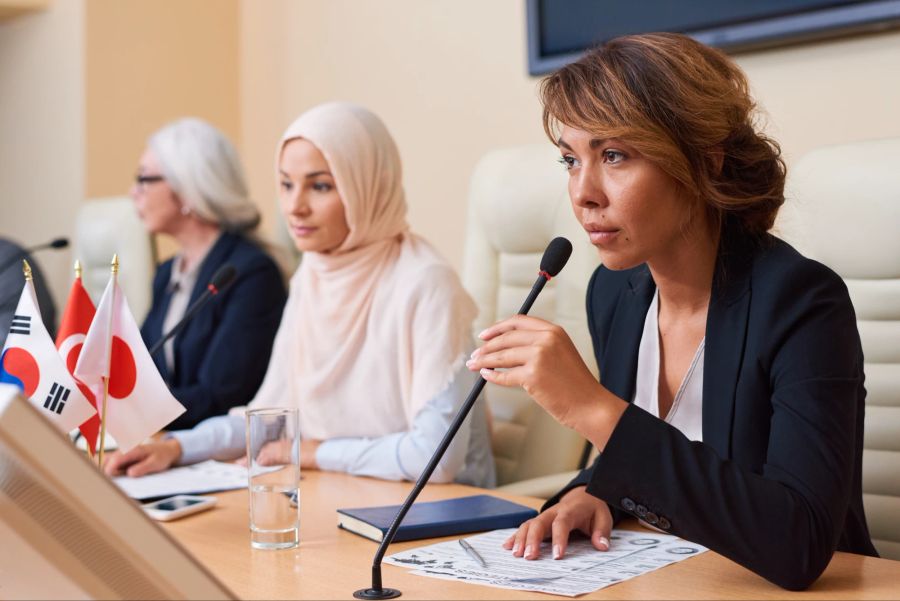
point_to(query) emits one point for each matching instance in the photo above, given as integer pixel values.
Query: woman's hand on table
(143, 459)
(577, 510)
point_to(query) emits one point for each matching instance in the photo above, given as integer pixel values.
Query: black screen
(559, 30)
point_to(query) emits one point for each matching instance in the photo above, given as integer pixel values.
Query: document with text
(582, 570)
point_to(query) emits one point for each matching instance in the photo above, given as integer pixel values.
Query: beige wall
(264, 38)
(149, 62)
(449, 78)
(829, 92)
(42, 126)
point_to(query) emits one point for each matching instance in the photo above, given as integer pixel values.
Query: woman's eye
(613, 156)
(286, 186)
(568, 161)
(322, 187)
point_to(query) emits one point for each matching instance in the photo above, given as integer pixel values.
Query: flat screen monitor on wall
(67, 532)
(559, 31)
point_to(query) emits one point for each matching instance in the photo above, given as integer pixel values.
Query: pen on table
(471, 552)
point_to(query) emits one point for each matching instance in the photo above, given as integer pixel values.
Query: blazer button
(663, 523)
(628, 505)
(651, 518)
(641, 511)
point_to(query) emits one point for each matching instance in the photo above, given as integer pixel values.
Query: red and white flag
(69, 340)
(139, 402)
(31, 362)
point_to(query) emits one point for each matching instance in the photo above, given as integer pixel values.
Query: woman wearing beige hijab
(372, 344)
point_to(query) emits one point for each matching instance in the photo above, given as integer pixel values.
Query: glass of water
(273, 467)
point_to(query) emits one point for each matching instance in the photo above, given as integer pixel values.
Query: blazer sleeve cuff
(626, 452)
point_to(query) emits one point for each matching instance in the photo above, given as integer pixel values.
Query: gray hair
(203, 168)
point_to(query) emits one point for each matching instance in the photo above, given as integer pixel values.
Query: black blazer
(221, 355)
(776, 483)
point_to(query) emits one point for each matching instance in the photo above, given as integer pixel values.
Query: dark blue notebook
(436, 518)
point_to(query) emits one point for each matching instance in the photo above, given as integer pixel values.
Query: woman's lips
(303, 230)
(602, 236)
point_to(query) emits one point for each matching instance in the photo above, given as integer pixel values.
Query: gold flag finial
(78, 269)
(115, 263)
(26, 269)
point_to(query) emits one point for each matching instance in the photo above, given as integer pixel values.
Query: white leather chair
(108, 226)
(843, 209)
(518, 202)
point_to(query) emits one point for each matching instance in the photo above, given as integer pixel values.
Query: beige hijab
(376, 328)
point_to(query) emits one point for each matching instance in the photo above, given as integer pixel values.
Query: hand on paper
(540, 357)
(577, 510)
(144, 459)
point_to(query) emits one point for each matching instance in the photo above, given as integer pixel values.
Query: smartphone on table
(178, 506)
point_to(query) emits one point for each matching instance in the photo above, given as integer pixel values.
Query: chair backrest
(843, 209)
(517, 203)
(108, 226)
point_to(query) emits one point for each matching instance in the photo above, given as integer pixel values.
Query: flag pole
(114, 268)
(78, 271)
(26, 270)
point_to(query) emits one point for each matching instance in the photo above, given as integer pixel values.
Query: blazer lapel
(619, 369)
(726, 333)
(211, 263)
(165, 295)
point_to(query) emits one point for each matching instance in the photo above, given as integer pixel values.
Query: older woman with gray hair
(190, 186)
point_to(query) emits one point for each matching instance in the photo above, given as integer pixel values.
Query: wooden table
(331, 563)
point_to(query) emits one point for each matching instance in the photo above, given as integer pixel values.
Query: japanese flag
(31, 362)
(139, 402)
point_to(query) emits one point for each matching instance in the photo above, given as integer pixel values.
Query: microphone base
(375, 593)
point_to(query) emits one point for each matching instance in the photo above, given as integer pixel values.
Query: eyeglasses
(143, 180)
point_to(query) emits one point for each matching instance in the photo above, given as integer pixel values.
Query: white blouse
(686, 413)
(181, 286)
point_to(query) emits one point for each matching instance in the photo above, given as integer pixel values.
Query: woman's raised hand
(540, 357)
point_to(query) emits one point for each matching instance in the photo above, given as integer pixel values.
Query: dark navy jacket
(222, 353)
(776, 484)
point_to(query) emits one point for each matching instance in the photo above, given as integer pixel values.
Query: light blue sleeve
(403, 455)
(221, 438)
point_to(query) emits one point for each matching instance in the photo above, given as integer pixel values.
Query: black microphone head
(224, 276)
(59, 243)
(558, 252)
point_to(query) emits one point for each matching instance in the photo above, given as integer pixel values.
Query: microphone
(220, 281)
(56, 244)
(555, 256)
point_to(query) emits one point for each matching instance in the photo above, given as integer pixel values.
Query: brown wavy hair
(684, 106)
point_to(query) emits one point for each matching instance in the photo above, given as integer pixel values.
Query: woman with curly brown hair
(730, 404)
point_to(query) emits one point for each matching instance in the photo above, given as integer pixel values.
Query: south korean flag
(31, 362)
